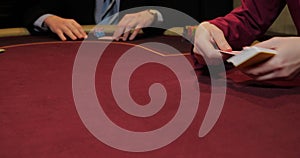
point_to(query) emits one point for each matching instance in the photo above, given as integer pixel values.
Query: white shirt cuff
(39, 23)
(158, 15)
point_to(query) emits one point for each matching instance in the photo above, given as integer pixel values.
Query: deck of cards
(250, 56)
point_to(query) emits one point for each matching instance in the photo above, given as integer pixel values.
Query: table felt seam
(68, 42)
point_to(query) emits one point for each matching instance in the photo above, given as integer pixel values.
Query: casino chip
(99, 32)
(189, 32)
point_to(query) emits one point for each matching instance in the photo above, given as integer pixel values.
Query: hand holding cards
(251, 56)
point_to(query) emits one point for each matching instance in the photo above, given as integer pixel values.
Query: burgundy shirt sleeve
(249, 21)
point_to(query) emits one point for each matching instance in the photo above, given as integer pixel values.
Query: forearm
(249, 21)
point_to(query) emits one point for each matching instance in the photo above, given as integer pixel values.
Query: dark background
(12, 11)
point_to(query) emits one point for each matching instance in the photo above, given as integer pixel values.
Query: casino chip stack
(99, 32)
(189, 32)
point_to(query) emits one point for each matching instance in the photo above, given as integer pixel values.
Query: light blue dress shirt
(100, 8)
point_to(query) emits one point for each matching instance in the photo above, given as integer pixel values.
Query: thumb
(221, 41)
(219, 38)
(271, 43)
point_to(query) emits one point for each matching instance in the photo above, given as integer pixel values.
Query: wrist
(152, 13)
(157, 15)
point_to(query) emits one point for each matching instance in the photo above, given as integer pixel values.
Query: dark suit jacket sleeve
(80, 11)
(39, 9)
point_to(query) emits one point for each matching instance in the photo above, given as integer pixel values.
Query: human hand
(208, 40)
(62, 27)
(135, 21)
(285, 64)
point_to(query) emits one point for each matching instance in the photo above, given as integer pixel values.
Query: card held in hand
(250, 56)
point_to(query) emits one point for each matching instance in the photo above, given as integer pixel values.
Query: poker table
(47, 105)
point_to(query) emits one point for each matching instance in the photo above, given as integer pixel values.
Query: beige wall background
(283, 24)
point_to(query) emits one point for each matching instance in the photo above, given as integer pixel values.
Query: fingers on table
(70, 28)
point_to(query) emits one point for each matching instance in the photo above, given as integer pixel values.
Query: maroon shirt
(252, 19)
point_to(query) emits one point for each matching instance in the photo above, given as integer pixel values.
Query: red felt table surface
(38, 117)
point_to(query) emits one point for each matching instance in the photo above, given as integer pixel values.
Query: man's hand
(285, 64)
(209, 39)
(136, 22)
(63, 27)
